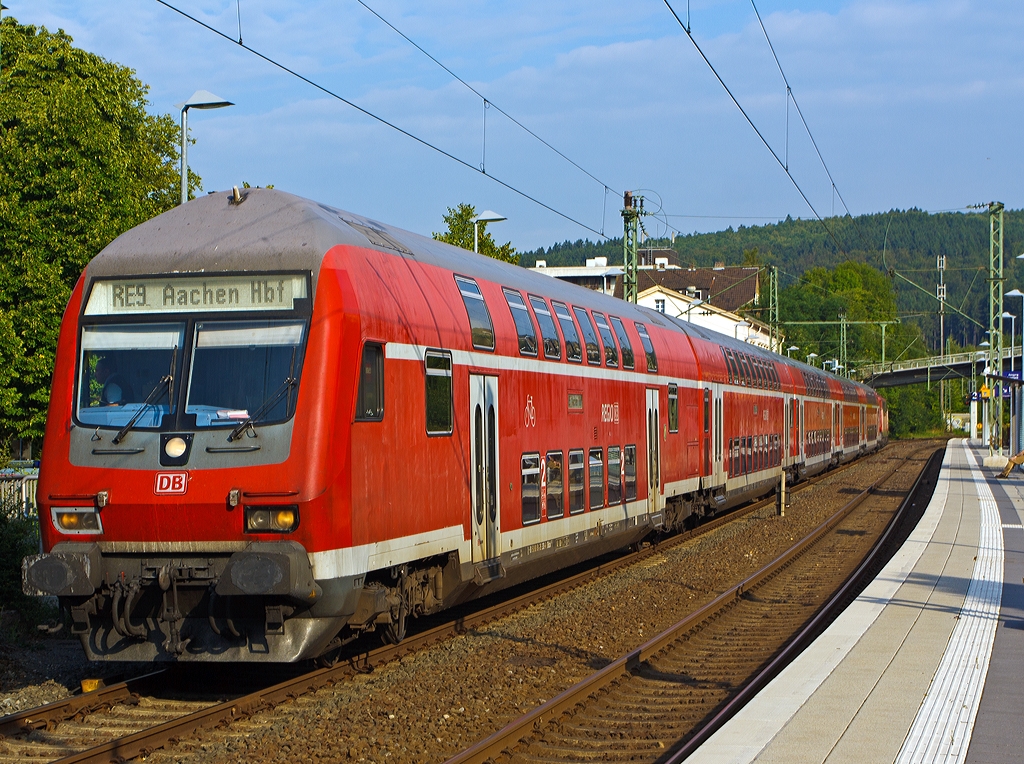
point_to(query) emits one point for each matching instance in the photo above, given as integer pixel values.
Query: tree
(460, 233)
(81, 161)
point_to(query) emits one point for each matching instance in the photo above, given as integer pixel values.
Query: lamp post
(487, 216)
(201, 99)
(691, 306)
(790, 350)
(736, 330)
(809, 357)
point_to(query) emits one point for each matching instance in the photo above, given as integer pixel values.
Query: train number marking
(610, 412)
(171, 483)
(530, 414)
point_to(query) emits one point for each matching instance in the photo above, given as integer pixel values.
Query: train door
(716, 428)
(800, 434)
(706, 418)
(483, 401)
(653, 452)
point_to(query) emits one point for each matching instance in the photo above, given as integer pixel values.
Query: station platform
(927, 665)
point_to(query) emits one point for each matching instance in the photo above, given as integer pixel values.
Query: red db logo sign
(171, 483)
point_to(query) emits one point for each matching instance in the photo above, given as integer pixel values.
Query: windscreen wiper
(263, 410)
(168, 380)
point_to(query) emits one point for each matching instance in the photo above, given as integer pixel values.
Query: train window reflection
(624, 343)
(438, 372)
(243, 369)
(611, 354)
(573, 351)
(524, 324)
(121, 366)
(577, 481)
(629, 471)
(553, 484)
(481, 329)
(530, 470)
(596, 478)
(548, 332)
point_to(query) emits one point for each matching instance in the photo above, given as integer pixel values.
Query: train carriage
(276, 426)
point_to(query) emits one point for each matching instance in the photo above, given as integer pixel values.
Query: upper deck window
(121, 365)
(645, 340)
(243, 369)
(524, 324)
(552, 344)
(611, 354)
(481, 328)
(589, 336)
(624, 343)
(573, 352)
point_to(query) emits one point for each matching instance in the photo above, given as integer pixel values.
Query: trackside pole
(783, 499)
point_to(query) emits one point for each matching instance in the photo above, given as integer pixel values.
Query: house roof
(728, 288)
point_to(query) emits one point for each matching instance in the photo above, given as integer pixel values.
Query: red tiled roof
(729, 288)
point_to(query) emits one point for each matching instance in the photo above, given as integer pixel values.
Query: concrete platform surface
(926, 664)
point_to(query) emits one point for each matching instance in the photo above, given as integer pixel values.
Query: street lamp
(790, 350)
(810, 356)
(487, 216)
(201, 99)
(691, 306)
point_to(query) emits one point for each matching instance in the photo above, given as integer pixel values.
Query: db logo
(171, 483)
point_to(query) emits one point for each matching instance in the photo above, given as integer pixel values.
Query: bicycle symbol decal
(530, 415)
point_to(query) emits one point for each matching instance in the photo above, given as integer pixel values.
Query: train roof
(272, 230)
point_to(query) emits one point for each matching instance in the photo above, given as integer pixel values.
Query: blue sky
(912, 104)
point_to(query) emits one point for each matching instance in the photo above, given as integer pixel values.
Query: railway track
(660, 701)
(132, 718)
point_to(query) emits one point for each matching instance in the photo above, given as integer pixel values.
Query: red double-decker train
(275, 426)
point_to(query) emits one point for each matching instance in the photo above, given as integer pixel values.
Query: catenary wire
(383, 121)
(480, 95)
(750, 122)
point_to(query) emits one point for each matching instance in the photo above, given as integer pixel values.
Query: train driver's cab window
(524, 324)
(481, 328)
(624, 343)
(438, 373)
(577, 481)
(370, 400)
(548, 332)
(611, 353)
(573, 350)
(121, 366)
(554, 485)
(589, 336)
(530, 470)
(245, 370)
(645, 340)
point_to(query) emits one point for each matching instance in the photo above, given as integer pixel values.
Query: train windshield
(124, 365)
(243, 369)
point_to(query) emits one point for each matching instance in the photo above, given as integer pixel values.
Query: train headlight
(74, 520)
(271, 519)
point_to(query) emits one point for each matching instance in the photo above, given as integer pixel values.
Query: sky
(910, 104)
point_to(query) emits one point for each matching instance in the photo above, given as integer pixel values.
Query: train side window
(629, 471)
(530, 470)
(524, 324)
(577, 481)
(745, 366)
(596, 478)
(611, 353)
(548, 332)
(758, 373)
(727, 354)
(624, 343)
(707, 410)
(673, 408)
(370, 400)
(589, 336)
(573, 351)
(645, 340)
(553, 482)
(437, 367)
(614, 476)
(481, 328)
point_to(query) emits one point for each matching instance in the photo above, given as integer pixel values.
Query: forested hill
(914, 240)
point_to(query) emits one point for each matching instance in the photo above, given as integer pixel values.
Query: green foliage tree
(460, 233)
(81, 161)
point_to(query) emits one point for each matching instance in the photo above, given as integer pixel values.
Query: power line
(484, 98)
(750, 122)
(383, 121)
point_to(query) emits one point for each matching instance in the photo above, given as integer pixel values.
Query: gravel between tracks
(429, 706)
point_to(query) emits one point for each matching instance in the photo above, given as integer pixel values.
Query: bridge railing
(18, 494)
(979, 356)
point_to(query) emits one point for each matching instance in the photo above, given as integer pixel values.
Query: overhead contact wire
(383, 121)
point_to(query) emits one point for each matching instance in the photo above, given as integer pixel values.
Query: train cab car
(276, 426)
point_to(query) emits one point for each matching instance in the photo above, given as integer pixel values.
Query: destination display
(118, 297)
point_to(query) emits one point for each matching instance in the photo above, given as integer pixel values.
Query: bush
(19, 536)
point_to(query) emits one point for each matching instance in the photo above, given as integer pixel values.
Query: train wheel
(395, 631)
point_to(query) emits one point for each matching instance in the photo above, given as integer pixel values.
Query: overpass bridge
(933, 368)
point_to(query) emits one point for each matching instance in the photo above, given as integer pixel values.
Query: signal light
(271, 519)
